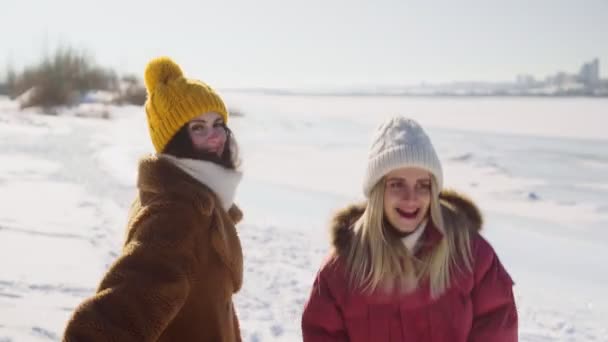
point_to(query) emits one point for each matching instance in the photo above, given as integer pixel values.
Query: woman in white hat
(409, 264)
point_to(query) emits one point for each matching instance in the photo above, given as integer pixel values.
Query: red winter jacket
(479, 306)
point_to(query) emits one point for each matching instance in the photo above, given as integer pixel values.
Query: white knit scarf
(221, 180)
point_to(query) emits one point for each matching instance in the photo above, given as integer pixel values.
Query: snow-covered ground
(538, 168)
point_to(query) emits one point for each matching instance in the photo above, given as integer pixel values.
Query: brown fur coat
(180, 265)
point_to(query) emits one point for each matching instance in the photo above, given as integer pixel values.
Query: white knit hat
(400, 142)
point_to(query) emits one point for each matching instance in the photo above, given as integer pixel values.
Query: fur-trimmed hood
(454, 204)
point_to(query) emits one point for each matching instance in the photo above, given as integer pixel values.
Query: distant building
(525, 81)
(589, 74)
(560, 79)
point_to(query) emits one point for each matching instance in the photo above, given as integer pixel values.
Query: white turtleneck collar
(411, 241)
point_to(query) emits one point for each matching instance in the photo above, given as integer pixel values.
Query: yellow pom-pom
(161, 70)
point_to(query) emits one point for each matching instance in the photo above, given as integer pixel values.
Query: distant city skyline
(588, 75)
(316, 43)
(586, 81)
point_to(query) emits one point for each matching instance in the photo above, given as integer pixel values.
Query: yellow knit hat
(173, 100)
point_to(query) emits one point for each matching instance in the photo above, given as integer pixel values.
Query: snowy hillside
(538, 168)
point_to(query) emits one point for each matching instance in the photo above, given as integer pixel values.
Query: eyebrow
(421, 180)
(205, 121)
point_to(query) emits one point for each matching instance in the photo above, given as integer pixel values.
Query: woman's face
(208, 133)
(407, 198)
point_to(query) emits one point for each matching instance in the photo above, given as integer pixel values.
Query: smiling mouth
(407, 214)
(214, 147)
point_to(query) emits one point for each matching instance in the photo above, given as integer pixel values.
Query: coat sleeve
(494, 309)
(322, 320)
(146, 287)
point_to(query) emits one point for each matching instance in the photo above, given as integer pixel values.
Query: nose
(214, 135)
(408, 194)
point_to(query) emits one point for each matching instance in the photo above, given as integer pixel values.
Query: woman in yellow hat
(182, 259)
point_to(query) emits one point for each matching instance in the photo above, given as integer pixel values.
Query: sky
(316, 43)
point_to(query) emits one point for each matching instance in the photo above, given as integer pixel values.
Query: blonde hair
(378, 260)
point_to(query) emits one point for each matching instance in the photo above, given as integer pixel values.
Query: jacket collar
(158, 175)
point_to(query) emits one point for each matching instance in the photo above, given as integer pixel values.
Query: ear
(234, 150)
